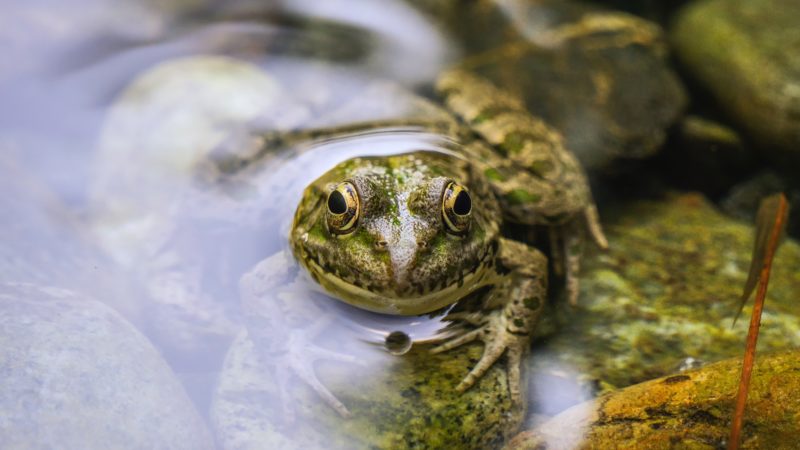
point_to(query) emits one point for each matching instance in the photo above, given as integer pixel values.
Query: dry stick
(755, 323)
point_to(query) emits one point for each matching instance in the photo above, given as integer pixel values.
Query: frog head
(403, 234)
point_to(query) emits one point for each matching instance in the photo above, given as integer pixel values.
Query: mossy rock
(745, 53)
(691, 410)
(405, 402)
(665, 295)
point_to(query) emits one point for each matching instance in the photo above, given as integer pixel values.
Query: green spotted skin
(401, 257)
(536, 180)
(401, 254)
(387, 242)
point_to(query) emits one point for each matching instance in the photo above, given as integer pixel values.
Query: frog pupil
(337, 203)
(463, 204)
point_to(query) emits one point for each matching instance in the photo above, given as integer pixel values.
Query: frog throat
(391, 304)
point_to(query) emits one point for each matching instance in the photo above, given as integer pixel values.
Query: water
(137, 194)
(109, 110)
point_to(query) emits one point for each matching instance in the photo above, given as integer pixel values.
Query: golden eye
(343, 209)
(456, 208)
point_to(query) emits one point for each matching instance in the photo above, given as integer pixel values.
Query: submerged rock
(744, 52)
(409, 403)
(162, 126)
(664, 296)
(44, 243)
(77, 375)
(691, 410)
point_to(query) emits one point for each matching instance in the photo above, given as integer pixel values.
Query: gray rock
(44, 243)
(662, 298)
(75, 375)
(162, 126)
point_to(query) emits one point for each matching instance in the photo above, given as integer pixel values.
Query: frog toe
(499, 342)
(297, 361)
(306, 373)
(286, 372)
(567, 244)
(458, 341)
(491, 354)
(472, 318)
(320, 353)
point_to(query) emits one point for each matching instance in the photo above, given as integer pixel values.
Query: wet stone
(742, 51)
(45, 243)
(161, 128)
(662, 297)
(407, 402)
(77, 375)
(691, 410)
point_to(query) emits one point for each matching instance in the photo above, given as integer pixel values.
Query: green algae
(409, 403)
(666, 291)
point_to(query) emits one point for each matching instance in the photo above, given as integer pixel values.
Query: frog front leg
(514, 304)
(282, 321)
(535, 178)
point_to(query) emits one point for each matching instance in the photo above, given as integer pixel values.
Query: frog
(419, 231)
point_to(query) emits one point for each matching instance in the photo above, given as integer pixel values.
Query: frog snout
(403, 258)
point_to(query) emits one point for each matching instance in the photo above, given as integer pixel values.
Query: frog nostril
(422, 244)
(381, 245)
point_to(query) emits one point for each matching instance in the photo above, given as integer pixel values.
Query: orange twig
(755, 320)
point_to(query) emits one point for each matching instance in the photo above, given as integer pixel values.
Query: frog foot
(498, 340)
(296, 360)
(566, 248)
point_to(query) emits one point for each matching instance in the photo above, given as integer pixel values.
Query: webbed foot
(498, 340)
(277, 315)
(296, 359)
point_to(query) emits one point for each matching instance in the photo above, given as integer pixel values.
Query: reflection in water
(114, 77)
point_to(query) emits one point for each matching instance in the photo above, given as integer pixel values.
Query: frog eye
(343, 208)
(456, 208)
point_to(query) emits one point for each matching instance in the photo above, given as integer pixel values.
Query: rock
(45, 243)
(408, 402)
(599, 77)
(691, 410)
(663, 296)
(160, 129)
(77, 375)
(740, 50)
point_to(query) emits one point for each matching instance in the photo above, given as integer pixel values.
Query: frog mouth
(412, 304)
